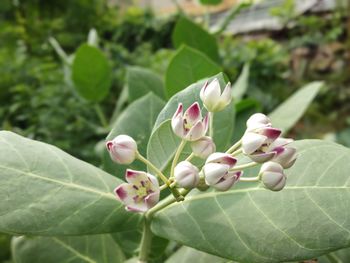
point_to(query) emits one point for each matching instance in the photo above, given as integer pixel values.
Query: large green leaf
(91, 73)
(136, 121)
(240, 87)
(45, 191)
(92, 249)
(339, 256)
(186, 67)
(289, 112)
(141, 81)
(310, 217)
(193, 35)
(187, 254)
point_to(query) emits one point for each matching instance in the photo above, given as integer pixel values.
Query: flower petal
(177, 125)
(262, 157)
(203, 89)
(196, 132)
(286, 158)
(213, 172)
(154, 182)
(271, 133)
(222, 158)
(258, 120)
(212, 95)
(135, 177)
(226, 95)
(252, 141)
(125, 193)
(139, 207)
(193, 114)
(279, 142)
(152, 199)
(178, 111)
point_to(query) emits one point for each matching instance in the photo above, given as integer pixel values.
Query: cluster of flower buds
(261, 143)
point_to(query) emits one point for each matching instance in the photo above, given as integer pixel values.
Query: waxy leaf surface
(45, 191)
(91, 249)
(308, 218)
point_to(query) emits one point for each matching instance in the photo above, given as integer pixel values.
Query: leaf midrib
(69, 185)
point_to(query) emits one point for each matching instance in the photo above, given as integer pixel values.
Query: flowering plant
(199, 170)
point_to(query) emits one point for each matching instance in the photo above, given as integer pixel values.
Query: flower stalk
(146, 241)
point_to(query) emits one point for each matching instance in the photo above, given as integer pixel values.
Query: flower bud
(217, 171)
(122, 149)
(190, 125)
(212, 97)
(203, 147)
(272, 176)
(186, 175)
(285, 155)
(258, 120)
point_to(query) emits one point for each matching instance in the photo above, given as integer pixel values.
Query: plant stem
(189, 158)
(60, 52)
(176, 157)
(145, 241)
(236, 152)
(164, 204)
(101, 115)
(249, 179)
(234, 147)
(211, 124)
(153, 167)
(243, 166)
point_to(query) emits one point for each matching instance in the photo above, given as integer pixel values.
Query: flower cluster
(221, 170)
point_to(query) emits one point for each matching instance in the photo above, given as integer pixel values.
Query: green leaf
(193, 35)
(186, 67)
(187, 254)
(91, 73)
(310, 217)
(92, 249)
(241, 85)
(130, 243)
(45, 191)
(141, 81)
(136, 121)
(289, 112)
(339, 256)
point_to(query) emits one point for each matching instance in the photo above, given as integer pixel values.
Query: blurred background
(280, 45)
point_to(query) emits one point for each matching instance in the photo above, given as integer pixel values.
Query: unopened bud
(203, 147)
(186, 175)
(122, 149)
(272, 176)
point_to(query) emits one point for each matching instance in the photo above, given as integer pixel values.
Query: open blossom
(122, 149)
(285, 155)
(189, 125)
(140, 193)
(272, 176)
(203, 147)
(186, 175)
(217, 171)
(258, 120)
(212, 97)
(256, 143)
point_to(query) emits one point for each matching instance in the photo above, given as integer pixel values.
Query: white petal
(135, 177)
(252, 141)
(213, 172)
(212, 95)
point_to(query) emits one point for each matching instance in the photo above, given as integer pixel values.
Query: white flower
(272, 176)
(186, 174)
(212, 97)
(122, 149)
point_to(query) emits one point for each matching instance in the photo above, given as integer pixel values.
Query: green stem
(145, 241)
(243, 166)
(249, 179)
(101, 115)
(176, 157)
(237, 152)
(234, 147)
(59, 50)
(153, 168)
(166, 202)
(190, 157)
(211, 124)
(333, 258)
